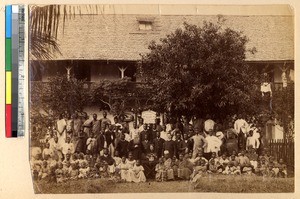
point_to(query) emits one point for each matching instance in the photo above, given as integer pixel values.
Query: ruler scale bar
(21, 72)
(15, 66)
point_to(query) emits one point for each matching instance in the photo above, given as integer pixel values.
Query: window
(145, 25)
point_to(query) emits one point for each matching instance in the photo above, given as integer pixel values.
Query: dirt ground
(220, 184)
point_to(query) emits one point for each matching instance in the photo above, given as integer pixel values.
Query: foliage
(60, 94)
(200, 71)
(283, 107)
(119, 95)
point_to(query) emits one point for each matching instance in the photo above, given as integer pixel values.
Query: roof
(117, 36)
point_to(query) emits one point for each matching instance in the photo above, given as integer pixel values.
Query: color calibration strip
(14, 70)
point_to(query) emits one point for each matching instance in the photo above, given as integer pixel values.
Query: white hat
(209, 125)
(166, 152)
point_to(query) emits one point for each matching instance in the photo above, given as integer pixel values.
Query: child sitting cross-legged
(84, 170)
(74, 172)
(233, 167)
(59, 174)
(199, 171)
(161, 174)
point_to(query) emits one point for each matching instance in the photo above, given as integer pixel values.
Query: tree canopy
(199, 71)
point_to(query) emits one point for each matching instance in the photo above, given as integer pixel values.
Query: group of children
(128, 169)
(82, 148)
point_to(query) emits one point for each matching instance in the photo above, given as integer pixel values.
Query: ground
(221, 184)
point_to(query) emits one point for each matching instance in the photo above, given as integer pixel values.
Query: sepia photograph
(161, 98)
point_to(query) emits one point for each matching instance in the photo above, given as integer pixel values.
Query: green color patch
(8, 54)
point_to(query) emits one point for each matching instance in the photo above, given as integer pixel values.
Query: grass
(220, 184)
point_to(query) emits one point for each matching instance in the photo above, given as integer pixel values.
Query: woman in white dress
(61, 126)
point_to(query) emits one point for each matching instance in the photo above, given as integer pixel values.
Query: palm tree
(44, 26)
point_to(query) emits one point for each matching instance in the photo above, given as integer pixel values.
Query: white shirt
(213, 144)
(68, 148)
(240, 124)
(253, 141)
(164, 135)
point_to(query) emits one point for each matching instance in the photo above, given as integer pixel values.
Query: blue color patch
(8, 21)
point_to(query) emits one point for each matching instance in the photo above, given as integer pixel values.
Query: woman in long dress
(61, 126)
(137, 173)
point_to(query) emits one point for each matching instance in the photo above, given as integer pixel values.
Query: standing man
(144, 132)
(170, 146)
(199, 142)
(158, 143)
(104, 121)
(95, 125)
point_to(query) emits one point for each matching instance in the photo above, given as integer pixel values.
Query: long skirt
(170, 174)
(137, 177)
(184, 173)
(161, 176)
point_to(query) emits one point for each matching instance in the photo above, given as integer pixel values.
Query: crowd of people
(78, 147)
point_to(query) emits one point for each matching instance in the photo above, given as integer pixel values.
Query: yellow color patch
(8, 90)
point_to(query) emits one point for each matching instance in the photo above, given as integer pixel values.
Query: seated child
(74, 158)
(168, 166)
(74, 172)
(274, 165)
(66, 169)
(244, 163)
(161, 174)
(282, 169)
(199, 171)
(47, 151)
(233, 167)
(137, 173)
(44, 171)
(223, 162)
(252, 155)
(117, 160)
(94, 171)
(59, 174)
(262, 167)
(123, 170)
(184, 167)
(174, 166)
(84, 170)
(212, 166)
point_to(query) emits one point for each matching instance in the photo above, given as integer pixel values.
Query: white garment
(253, 141)
(68, 148)
(265, 87)
(164, 135)
(213, 144)
(241, 124)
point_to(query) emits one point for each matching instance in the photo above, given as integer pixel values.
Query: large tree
(284, 109)
(201, 70)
